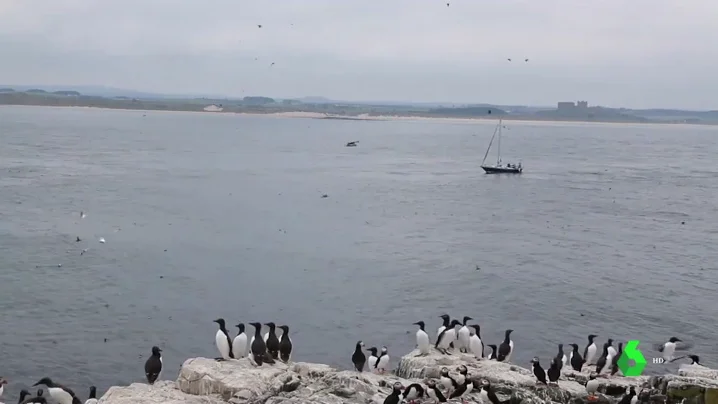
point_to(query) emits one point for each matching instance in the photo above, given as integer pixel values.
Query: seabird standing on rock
(447, 381)
(3, 382)
(589, 354)
(358, 358)
(395, 396)
(576, 359)
(538, 371)
(446, 322)
(554, 371)
(463, 335)
(223, 342)
(285, 344)
(463, 374)
(493, 355)
(153, 365)
(434, 393)
(506, 347)
(592, 386)
(611, 350)
(614, 362)
(272, 341)
(486, 386)
(92, 399)
(561, 357)
(695, 359)
(629, 396)
(413, 392)
(259, 347)
(462, 389)
(373, 359)
(239, 343)
(382, 364)
(476, 345)
(446, 338)
(23, 393)
(58, 392)
(603, 360)
(422, 340)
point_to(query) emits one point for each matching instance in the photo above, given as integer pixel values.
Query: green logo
(632, 353)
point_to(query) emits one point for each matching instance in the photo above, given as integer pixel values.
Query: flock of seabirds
(452, 335)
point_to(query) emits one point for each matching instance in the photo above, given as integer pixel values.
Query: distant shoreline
(263, 106)
(385, 118)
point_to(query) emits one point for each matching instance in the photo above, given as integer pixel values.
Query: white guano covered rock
(241, 382)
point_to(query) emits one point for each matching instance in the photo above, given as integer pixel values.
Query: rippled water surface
(210, 216)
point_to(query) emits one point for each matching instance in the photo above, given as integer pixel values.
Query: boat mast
(498, 157)
(488, 149)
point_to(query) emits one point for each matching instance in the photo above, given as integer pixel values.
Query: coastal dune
(206, 381)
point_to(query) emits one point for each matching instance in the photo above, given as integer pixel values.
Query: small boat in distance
(499, 168)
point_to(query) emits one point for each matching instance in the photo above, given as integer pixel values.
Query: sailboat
(499, 168)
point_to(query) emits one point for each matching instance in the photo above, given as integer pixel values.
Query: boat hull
(501, 170)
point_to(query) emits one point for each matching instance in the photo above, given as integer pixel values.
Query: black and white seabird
(494, 352)
(285, 344)
(223, 342)
(561, 357)
(153, 365)
(3, 382)
(395, 396)
(92, 398)
(447, 337)
(592, 386)
(589, 354)
(259, 347)
(58, 392)
(382, 364)
(463, 335)
(476, 344)
(422, 340)
(538, 371)
(272, 341)
(462, 389)
(626, 399)
(434, 393)
(463, 374)
(446, 321)
(358, 357)
(614, 361)
(603, 359)
(554, 371)
(412, 392)
(506, 348)
(239, 343)
(447, 381)
(611, 350)
(491, 394)
(669, 348)
(576, 359)
(373, 359)
(695, 359)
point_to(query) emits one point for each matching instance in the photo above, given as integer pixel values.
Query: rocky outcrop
(241, 382)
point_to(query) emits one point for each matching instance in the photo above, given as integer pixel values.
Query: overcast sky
(633, 53)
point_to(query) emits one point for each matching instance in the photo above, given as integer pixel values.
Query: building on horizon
(571, 106)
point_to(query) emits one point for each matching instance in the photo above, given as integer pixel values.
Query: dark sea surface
(210, 216)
